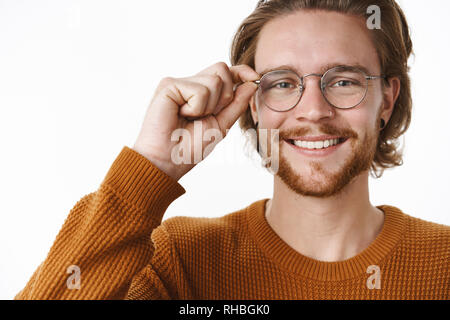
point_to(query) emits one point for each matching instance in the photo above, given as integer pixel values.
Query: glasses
(343, 87)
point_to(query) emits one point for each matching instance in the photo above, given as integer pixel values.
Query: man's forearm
(105, 240)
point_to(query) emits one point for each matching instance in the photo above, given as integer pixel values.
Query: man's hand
(207, 97)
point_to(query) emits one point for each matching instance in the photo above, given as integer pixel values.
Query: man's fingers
(191, 97)
(215, 85)
(229, 115)
(213, 91)
(243, 73)
(238, 75)
(225, 94)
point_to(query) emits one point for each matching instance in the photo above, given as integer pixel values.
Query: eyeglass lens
(342, 87)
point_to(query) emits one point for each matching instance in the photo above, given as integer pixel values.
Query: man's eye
(344, 83)
(283, 85)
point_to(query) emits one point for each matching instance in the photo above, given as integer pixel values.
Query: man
(338, 94)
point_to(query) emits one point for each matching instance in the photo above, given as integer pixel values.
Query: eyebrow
(322, 70)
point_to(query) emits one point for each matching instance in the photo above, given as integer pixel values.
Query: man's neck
(326, 229)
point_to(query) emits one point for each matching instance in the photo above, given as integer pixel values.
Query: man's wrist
(167, 168)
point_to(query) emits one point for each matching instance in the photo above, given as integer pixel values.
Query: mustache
(324, 129)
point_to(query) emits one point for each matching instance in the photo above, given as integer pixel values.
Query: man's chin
(321, 179)
(312, 180)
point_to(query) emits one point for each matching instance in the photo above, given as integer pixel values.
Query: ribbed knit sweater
(123, 249)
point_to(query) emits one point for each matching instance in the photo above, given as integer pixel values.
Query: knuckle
(227, 98)
(216, 81)
(221, 66)
(203, 91)
(166, 81)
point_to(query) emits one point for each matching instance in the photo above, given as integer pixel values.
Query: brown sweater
(123, 251)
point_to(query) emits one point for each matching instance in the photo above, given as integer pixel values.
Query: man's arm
(106, 236)
(106, 240)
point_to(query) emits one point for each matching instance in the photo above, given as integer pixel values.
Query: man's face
(308, 41)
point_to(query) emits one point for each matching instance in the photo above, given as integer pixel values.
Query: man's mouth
(315, 143)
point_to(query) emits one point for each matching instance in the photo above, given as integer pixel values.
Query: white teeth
(316, 144)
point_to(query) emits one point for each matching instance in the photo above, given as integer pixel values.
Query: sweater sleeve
(106, 239)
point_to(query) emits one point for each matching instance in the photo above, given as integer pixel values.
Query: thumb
(228, 115)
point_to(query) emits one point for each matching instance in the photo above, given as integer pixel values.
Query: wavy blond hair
(393, 45)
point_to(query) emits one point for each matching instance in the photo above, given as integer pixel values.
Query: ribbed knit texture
(116, 238)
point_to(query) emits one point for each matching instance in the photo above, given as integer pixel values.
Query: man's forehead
(313, 45)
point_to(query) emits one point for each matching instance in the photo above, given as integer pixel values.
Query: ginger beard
(321, 182)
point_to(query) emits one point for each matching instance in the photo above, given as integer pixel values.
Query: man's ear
(253, 109)
(390, 94)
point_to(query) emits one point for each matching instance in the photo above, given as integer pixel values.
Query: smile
(316, 148)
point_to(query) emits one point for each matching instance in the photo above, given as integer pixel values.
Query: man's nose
(313, 106)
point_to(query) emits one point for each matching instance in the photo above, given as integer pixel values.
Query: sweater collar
(292, 261)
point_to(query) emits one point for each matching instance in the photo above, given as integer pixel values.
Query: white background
(76, 78)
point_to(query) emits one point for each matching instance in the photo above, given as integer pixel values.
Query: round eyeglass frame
(322, 88)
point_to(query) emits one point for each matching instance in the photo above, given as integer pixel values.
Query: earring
(383, 124)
